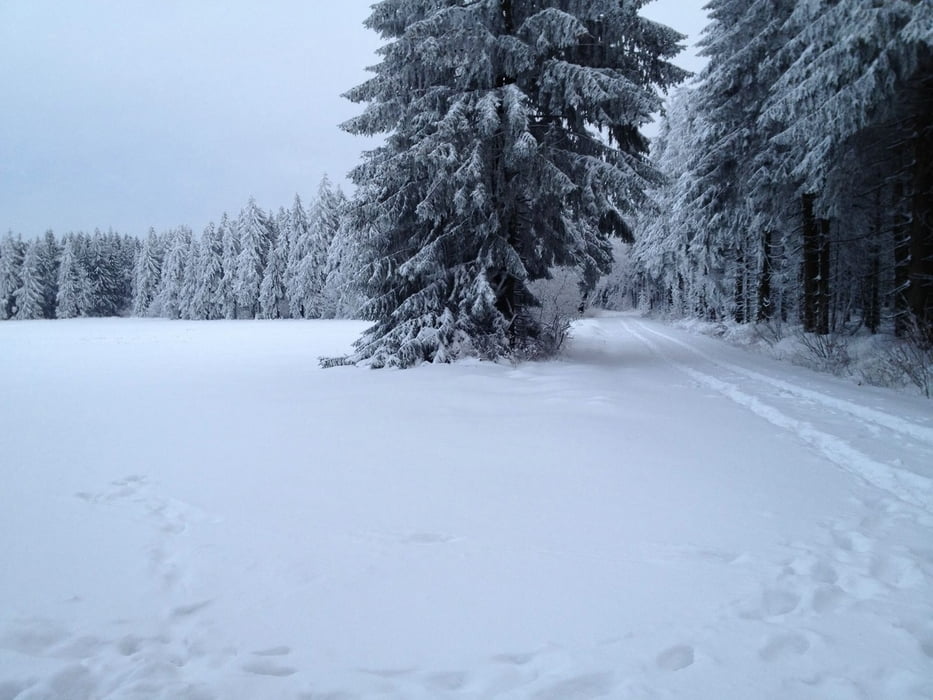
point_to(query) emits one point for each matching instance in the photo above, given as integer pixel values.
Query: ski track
(907, 486)
(869, 415)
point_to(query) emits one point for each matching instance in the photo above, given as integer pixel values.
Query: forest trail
(654, 515)
(796, 408)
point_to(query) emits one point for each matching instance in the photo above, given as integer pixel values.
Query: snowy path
(196, 511)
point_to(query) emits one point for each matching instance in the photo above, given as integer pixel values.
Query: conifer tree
(169, 300)
(272, 294)
(230, 244)
(147, 273)
(299, 233)
(254, 231)
(31, 293)
(11, 262)
(207, 302)
(72, 297)
(49, 254)
(513, 147)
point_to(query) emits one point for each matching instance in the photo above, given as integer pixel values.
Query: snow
(195, 510)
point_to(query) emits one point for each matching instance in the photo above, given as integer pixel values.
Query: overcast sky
(137, 113)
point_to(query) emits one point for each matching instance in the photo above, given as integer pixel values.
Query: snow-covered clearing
(195, 510)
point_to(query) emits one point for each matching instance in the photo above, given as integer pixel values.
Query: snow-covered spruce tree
(710, 253)
(30, 296)
(272, 295)
(255, 235)
(169, 302)
(72, 299)
(11, 262)
(343, 296)
(207, 304)
(324, 221)
(49, 253)
(147, 272)
(230, 244)
(294, 222)
(665, 263)
(855, 97)
(513, 148)
(189, 283)
(108, 275)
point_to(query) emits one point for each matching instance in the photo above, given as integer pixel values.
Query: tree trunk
(823, 286)
(765, 307)
(739, 299)
(811, 265)
(901, 241)
(920, 269)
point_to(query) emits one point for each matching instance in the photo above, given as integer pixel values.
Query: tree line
(799, 171)
(792, 182)
(296, 263)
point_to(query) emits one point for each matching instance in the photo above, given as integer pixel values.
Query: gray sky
(137, 113)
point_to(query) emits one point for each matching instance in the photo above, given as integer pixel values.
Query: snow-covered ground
(195, 510)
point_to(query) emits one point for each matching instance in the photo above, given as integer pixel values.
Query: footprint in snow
(191, 609)
(447, 681)
(774, 603)
(594, 685)
(267, 667)
(274, 651)
(676, 658)
(33, 637)
(784, 645)
(514, 659)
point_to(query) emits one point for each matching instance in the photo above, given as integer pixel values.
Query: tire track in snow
(906, 486)
(863, 413)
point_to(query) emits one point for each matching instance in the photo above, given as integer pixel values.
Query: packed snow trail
(196, 511)
(906, 485)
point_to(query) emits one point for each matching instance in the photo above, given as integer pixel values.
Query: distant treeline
(293, 264)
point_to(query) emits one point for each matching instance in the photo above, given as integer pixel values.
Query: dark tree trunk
(901, 241)
(920, 269)
(811, 265)
(739, 299)
(824, 300)
(872, 302)
(765, 308)
(871, 289)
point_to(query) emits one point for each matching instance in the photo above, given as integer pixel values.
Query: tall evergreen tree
(30, 297)
(49, 254)
(255, 237)
(513, 147)
(103, 267)
(147, 272)
(272, 295)
(72, 298)
(298, 229)
(11, 262)
(207, 303)
(855, 99)
(169, 300)
(230, 244)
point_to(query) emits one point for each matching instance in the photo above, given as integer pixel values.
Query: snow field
(196, 511)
